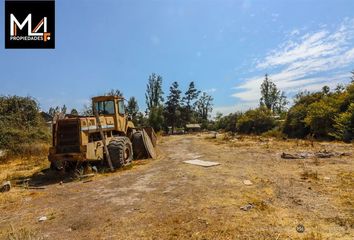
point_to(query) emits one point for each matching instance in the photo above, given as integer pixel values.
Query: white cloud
(297, 64)
(295, 32)
(225, 110)
(211, 90)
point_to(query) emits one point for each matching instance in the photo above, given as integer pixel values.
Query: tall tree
(141, 120)
(340, 88)
(352, 77)
(189, 99)
(74, 112)
(281, 103)
(172, 107)
(270, 94)
(204, 105)
(57, 110)
(155, 118)
(154, 93)
(154, 99)
(325, 90)
(63, 109)
(114, 92)
(133, 108)
(51, 111)
(87, 110)
(272, 98)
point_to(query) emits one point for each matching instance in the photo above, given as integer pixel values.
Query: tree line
(162, 112)
(326, 114)
(176, 109)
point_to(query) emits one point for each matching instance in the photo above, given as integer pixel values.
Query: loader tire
(120, 151)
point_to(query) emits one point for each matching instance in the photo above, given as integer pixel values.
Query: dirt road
(169, 199)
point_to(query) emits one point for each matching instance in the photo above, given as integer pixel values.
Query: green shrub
(322, 114)
(256, 121)
(294, 125)
(21, 123)
(227, 123)
(320, 118)
(156, 119)
(344, 125)
(275, 133)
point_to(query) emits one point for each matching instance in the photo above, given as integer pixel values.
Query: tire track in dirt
(78, 207)
(168, 199)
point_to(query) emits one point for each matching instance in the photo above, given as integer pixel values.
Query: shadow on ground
(45, 177)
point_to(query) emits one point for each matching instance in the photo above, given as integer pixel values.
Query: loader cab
(105, 107)
(111, 106)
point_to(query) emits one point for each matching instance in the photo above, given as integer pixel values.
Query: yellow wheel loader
(109, 136)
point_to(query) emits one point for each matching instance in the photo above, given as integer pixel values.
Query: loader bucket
(143, 145)
(152, 135)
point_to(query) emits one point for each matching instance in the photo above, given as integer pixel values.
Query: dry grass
(316, 192)
(168, 199)
(15, 168)
(22, 234)
(22, 167)
(309, 174)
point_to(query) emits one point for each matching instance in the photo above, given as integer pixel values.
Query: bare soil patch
(169, 199)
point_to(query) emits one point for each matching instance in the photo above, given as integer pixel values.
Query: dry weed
(22, 234)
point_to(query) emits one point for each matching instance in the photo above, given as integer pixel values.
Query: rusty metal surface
(82, 138)
(66, 157)
(152, 135)
(103, 138)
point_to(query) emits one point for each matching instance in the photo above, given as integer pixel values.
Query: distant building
(193, 127)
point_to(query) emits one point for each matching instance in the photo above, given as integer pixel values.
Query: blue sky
(225, 47)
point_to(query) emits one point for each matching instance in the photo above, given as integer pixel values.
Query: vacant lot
(168, 199)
